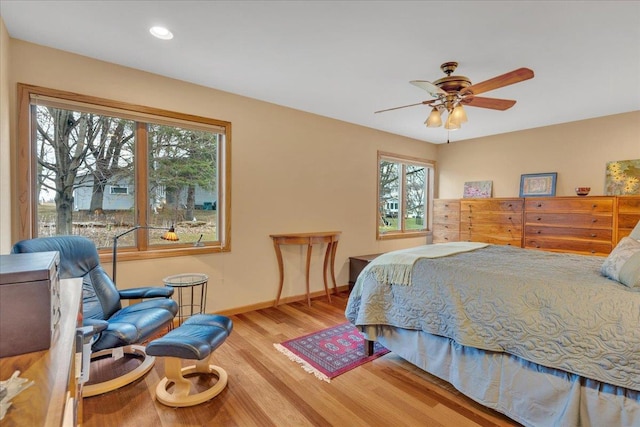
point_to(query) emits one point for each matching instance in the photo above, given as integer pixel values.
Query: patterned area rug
(330, 352)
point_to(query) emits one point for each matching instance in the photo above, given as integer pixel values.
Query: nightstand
(356, 264)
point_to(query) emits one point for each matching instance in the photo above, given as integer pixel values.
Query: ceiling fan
(452, 92)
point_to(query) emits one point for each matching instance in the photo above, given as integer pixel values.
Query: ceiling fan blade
(493, 103)
(507, 79)
(405, 106)
(433, 90)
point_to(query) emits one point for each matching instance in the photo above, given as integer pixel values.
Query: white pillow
(623, 263)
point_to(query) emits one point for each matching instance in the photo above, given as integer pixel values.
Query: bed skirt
(530, 394)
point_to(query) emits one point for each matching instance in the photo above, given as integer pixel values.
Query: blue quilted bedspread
(553, 309)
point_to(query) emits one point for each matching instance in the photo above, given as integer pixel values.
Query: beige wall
(577, 151)
(5, 156)
(294, 171)
(291, 172)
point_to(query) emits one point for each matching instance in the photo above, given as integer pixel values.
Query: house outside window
(405, 195)
(97, 168)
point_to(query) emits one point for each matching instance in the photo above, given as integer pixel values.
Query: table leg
(309, 248)
(280, 269)
(327, 256)
(334, 247)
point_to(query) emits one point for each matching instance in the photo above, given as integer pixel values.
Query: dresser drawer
(491, 217)
(446, 217)
(494, 228)
(579, 220)
(443, 236)
(446, 204)
(495, 239)
(509, 205)
(628, 220)
(571, 204)
(586, 247)
(535, 232)
(629, 204)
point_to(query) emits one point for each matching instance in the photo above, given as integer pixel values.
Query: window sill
(403, 235)
(130, 254)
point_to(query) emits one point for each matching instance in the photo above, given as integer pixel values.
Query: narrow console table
(329, 237)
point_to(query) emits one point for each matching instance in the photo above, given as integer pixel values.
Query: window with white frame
(405, 194)
(98, 167)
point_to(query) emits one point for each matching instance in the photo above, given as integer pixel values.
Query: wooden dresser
(590, 225)
(496, 221)
(446, 220)
(569, 224)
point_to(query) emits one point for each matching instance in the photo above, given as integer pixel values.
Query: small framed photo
(538, 184)
(478, 189)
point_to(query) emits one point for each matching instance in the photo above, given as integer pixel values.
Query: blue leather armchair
(115, 326)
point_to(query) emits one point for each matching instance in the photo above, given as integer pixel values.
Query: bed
(542, 337)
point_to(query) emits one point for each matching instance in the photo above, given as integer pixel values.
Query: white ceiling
(347, 59)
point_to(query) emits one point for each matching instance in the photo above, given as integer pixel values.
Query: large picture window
(405, 194)
(96, 168)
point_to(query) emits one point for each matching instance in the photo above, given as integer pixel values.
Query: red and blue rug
(330, 352)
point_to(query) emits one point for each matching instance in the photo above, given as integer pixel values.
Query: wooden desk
(52, 370)
(329, 237)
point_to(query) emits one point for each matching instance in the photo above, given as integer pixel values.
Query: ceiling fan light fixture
(459, 115)
(451, 123)
(435, 119)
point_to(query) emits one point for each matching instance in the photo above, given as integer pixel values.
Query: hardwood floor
(267, 389)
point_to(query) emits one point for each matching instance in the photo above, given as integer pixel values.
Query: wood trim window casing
(429, 177)
(26, 171)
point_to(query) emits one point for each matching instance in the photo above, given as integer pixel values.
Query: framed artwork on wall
(478, 189)
(622, 177)
(538, 184)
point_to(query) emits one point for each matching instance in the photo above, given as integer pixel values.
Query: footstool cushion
(195, 339)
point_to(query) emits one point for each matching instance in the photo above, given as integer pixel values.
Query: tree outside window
(98, 171)
(404, 195)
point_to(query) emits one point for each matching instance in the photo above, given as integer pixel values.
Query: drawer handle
(538, 232)
(446, 216)
(510, 205)
(539, 219)
(509, 230)
(538, 246)
(509, 218)
(446, 226)
(594, 205)
(594, 220)
(446, 206)
(446, 238)
(593, 251)
(593, 235)
(539, 205)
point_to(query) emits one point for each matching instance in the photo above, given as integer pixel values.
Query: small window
(119, 190)
(405, 193)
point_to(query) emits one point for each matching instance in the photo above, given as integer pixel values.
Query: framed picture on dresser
(538, 184)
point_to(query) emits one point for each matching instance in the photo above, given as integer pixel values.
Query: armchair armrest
(98, 325)
(146, 292)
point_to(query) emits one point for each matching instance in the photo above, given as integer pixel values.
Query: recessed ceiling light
(161, 33)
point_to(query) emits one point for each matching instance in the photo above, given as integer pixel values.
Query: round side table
(190, 290)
